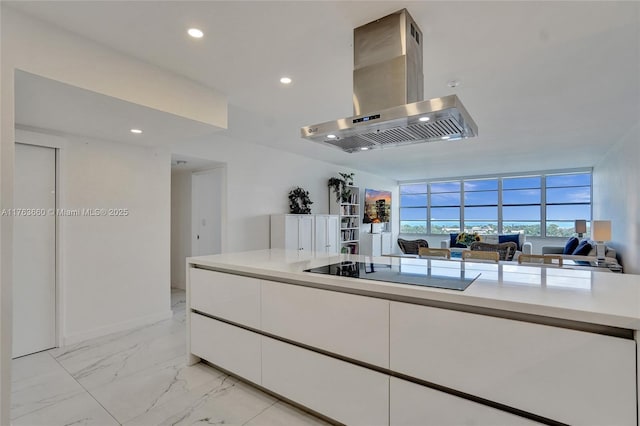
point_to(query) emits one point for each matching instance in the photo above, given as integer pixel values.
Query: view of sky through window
(537, 205)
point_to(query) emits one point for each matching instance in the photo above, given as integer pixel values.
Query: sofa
(524, 247)
(588, 255)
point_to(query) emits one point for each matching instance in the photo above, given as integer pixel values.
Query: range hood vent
(388, 104)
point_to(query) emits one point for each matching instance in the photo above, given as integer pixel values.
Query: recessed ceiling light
(424, 119)
(453, 83)
(331, 136)
(195, 32)
(285, 80)
(136, 131)
(445, 137)
(364, 148)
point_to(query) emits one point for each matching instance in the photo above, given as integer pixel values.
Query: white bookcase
(349, 215)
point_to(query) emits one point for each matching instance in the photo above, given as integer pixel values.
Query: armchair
(411, 246)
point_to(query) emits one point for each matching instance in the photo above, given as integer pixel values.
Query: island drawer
(571, 376)
(353, 326)
(231, 297)
(348, 393)
(232, 348)
(412, 404)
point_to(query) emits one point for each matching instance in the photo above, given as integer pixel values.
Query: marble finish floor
(138, 377)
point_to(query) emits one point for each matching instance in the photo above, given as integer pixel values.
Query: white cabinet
(292, 232)
(353, 326)
(230, 297)
(412, 404)
(232, 348)
(326, 233)
(571, 376)
(375, 244)
(348, 393)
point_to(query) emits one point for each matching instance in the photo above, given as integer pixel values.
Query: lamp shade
(601, 230)
(581, 226)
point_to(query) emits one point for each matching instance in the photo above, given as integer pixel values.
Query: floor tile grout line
(46, 406)
(86, 390)
(274, 403)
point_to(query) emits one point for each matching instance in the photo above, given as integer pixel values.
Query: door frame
(223, 207)
(29, 137)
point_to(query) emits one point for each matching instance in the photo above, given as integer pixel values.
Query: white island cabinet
(520, 346)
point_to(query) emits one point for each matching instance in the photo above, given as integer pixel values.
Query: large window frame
(432, 206)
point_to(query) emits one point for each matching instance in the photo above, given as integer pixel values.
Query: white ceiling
(550, 84)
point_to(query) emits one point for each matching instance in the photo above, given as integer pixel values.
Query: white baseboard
(114, 328)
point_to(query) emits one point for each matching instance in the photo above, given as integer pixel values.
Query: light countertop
(594, 297)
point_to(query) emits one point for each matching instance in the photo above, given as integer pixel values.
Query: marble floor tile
(227, 401)
(99, 362)
(33, 365)
(178, 301)
(281, 414)
(138, 356)
(139, 393)
(80, 409)
(138, 377)
(42, 391)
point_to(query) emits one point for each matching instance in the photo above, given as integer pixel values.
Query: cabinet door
(305, 233)
(291, 232)
(570, 376)
(386, 243)
(320, 234)
(350, 394)
(412, 404)
(333, 225)
(231, 297)
(350, 325)
(232, 348)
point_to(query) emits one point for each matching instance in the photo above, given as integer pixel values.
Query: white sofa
(610, 254)
(527, 248)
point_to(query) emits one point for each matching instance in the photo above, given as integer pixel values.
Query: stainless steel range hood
(388, 104)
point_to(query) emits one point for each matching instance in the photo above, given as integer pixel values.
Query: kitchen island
(521, 345)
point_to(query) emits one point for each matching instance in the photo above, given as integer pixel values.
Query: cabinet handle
(301, 248)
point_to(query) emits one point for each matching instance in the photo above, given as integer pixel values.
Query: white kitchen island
(521, 345)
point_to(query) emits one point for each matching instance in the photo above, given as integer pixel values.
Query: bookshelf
(348, 212)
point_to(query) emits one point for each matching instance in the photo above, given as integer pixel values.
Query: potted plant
(299, 201)
(340, 186)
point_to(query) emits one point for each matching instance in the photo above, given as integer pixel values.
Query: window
(568, 198)
(481, 206)
(521, 201)
(445, 207)
(536, 205)
(413, 209)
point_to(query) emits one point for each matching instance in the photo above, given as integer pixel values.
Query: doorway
(34, 250)
(198, 212)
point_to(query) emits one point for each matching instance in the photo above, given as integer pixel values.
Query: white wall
(616, 197)
(41, 49)
(180, 225)
(259, 179)
(114, 270)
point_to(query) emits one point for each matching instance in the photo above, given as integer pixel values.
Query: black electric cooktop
(423, 274)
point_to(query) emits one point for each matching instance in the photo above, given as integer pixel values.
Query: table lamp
(600, 232)
(580, 227)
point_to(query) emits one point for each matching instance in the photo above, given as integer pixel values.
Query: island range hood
(388, 104)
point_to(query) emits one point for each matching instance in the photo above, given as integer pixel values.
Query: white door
(207, 191)
(34, 250)
(305, 233)
(321, 234)
(333, 225)
(291, 232)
